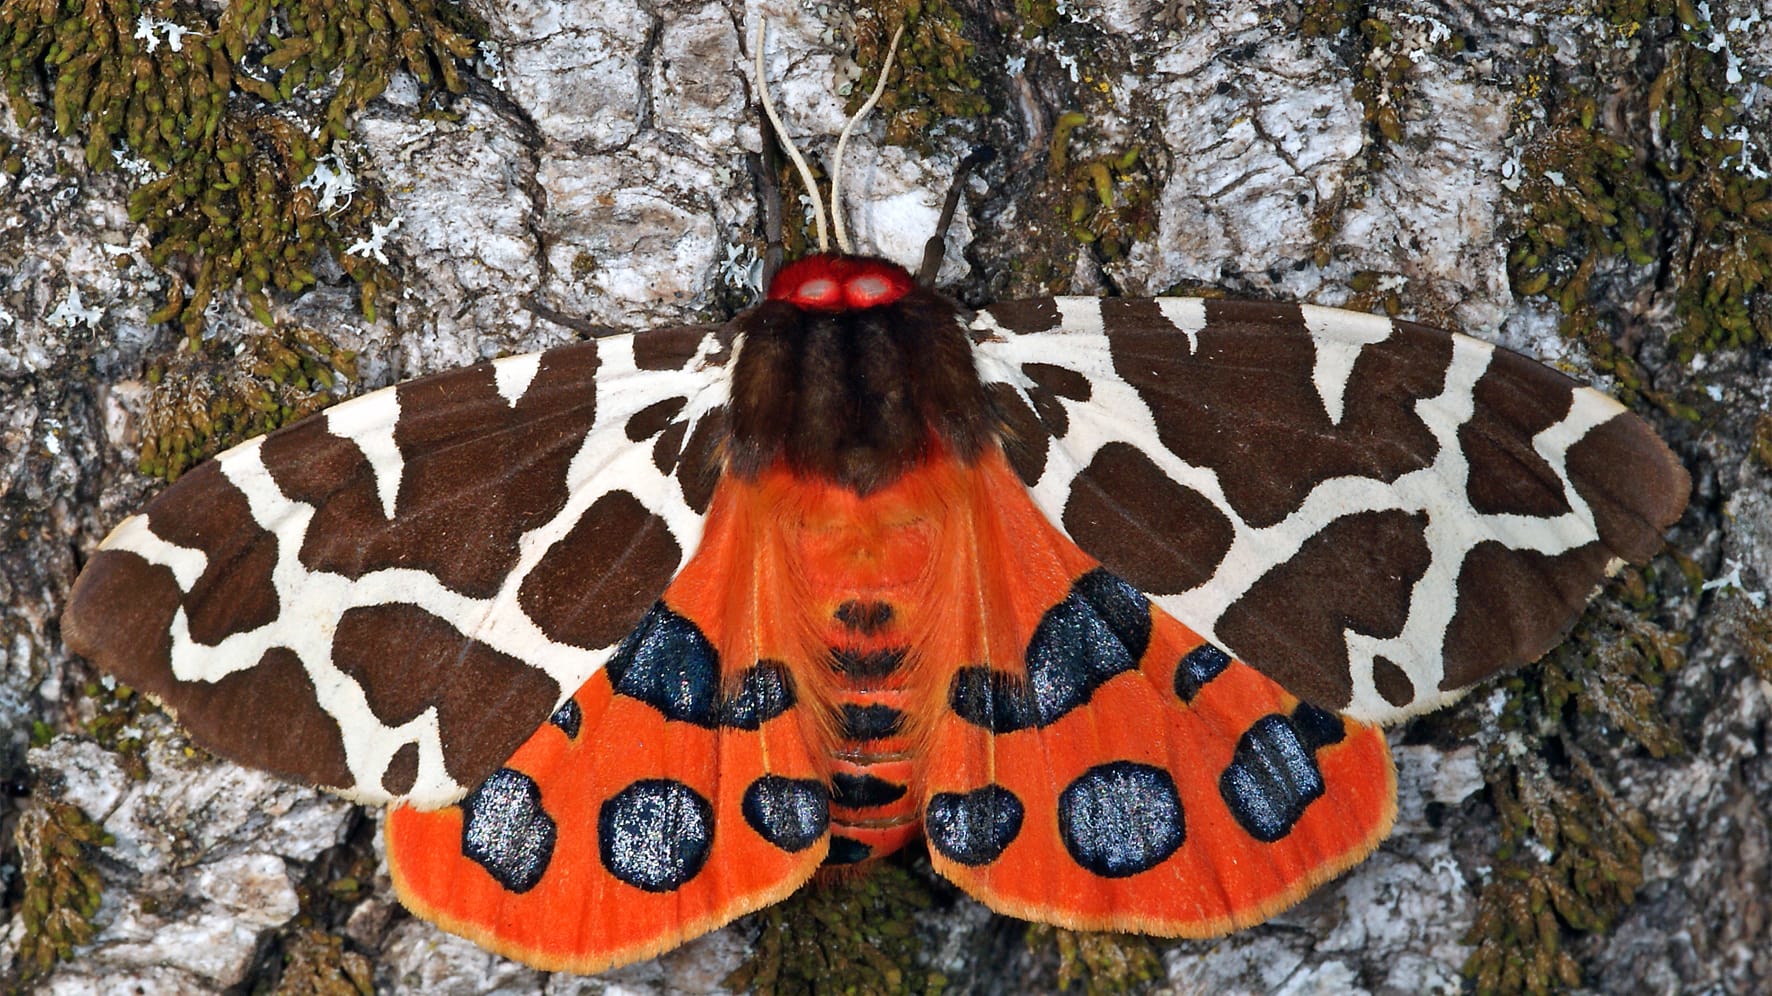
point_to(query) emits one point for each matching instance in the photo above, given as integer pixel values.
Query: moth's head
(831, 282)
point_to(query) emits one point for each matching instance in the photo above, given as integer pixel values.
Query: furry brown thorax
(855, 395)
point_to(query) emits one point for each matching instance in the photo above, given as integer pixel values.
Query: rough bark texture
(604, 173)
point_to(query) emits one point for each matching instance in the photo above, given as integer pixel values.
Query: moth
(1105, 599)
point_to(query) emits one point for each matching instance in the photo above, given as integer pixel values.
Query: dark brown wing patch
(1356, 574)
(1158, 534)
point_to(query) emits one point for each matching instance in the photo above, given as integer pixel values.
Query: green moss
(1380, 57)
(1036, 17)
(1105, 964)
(61, 888)
(853, 936)
(933, 72)
(1107, 201)
(116, 723)
(1750, 626)
(202, 404)
(1595, 193)
(1762, 441)
(316, 963)
(1571, 850)
(226, 126)
(1327, 18)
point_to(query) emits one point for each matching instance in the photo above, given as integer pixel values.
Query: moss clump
(61, 888)
(1595, 194)
(935, 81)
(1036, 17)
(116, 723)
(316, 963)
(853, 936)
(1751, 626)
(1105, 964)
(1327, 18)
(201, 405)
(1108, 200)
(1380, 52)
(1571, 850)
(223, 118)
(1762, 441)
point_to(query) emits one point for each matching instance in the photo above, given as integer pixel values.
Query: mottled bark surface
(604, 173)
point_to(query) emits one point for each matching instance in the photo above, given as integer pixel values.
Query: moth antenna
(843, 140)
(788, 143)
(937, 246)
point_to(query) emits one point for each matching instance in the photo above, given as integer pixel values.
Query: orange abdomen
(864, 561)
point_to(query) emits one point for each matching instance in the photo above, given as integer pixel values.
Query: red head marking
(828, 282)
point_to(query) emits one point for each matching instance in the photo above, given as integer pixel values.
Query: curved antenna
(843, 140)
(788, 143)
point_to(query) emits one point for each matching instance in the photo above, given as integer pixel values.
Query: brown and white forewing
(388, 598)
(1375, 513)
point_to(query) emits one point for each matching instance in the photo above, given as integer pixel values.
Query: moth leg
(936, 247)
(768, 167)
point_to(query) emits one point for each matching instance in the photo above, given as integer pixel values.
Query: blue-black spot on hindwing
(1198, 667)
(973, 828)
(668, 664)
(868, 722)
(791, 813)
(766, 690)
(505, 831)
(569, 717)
(1124, 608)
(1098, 631)
(863, 791)
(847, 851)
(655, 834)
(993, 699)
(1272, 777)
(1317, 728)
(1121, 818)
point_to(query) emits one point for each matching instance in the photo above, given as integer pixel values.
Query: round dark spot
(1197, 668)
(1098, 631)
(1272, 778)
(973, 828)
(1121, 818)
(790, 813)
(569, 717)
(505, 830)
(1317, 728)
(995, 700)
(655, 834)
(668, 664)
(765, 691)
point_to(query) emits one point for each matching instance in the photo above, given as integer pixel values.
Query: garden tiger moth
(1105, 597)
